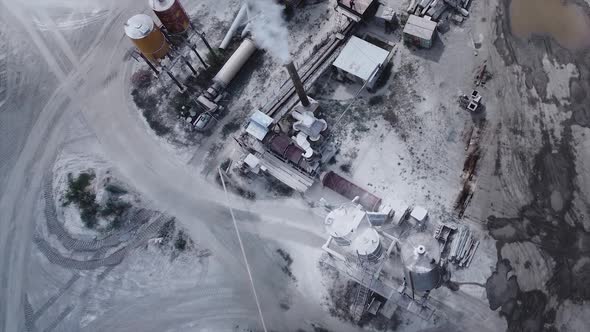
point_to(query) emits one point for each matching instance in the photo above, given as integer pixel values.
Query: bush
(345, 167)
(375, 100)
(79, 194)
(148, 106)
(390, 117)
(180, 242)
(229, 128)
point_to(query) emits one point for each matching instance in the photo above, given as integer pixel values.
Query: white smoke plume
(269, 28)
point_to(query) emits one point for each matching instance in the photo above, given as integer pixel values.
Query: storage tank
(342, 223)
(147, 37)
(227, 73)
(350, 190)
(367, 244)
(171, 14)
(420, 254)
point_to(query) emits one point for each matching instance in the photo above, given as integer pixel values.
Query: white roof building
(361, 59)
(259, 124)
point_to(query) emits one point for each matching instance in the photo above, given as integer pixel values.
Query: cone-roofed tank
(147, 37)
(420, 254)
(171, 14)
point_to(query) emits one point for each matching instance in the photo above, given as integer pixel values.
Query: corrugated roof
(360, 58)
(420, 27)
(261, 118)
(258, 126)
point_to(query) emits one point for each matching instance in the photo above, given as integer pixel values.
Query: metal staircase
(362, 294)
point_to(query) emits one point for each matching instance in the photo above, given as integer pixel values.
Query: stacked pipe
(463, 247)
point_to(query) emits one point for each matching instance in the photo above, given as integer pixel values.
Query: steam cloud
(269, 29)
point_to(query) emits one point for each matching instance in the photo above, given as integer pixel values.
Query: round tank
(147, 37)
(171, 14)
(367, 244)
(420, 254)
(237, 60)
(342, 222)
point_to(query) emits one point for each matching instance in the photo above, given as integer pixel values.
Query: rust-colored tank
(171, 14)
(147, 37)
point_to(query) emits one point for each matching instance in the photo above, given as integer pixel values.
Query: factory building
(419, 31)
(172, 15)
(147, 37)
(362, 61)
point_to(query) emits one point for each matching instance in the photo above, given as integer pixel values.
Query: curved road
(85, 84)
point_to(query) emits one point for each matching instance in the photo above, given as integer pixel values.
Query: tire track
(59, 318)
(29, 322)
(54, 298)
(114, 259)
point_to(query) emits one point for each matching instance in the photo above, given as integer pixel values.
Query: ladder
(362, 295)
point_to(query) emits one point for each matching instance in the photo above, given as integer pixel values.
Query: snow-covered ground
(69, 109)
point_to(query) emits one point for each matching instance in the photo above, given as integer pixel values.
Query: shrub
(180, 242)
(79, 194)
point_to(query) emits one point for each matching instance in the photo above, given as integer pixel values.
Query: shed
(362, 60)
(385, 15)
(419, 31)
(259, 124)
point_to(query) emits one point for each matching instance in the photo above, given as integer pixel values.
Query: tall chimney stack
(298, 84)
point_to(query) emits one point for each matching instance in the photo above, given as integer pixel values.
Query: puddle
(566, 23)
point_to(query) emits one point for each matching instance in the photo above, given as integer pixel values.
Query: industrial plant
(290, 165)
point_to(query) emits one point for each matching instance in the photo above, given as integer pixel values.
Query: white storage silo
(343, 222)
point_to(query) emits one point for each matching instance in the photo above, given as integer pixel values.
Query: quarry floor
(530, 203)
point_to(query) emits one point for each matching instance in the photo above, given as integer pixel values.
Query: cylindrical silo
(237, 60)
(342, 223)
(420, 254)
(171, 14)
(367, 244)
(147, 37)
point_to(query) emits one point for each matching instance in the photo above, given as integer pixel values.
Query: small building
(362, 61)
(385, 16)
(419, 31)
(259, 125)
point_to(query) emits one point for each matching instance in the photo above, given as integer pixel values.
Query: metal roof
(258, 126)
(161, 5)
(418, 252)
(261, 118)
(139, 26)
(420, 27)
(361, 58)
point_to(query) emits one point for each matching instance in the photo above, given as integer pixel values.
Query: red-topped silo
(172, 15)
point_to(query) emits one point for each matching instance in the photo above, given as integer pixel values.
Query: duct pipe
(297, 84)
(239, 20)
